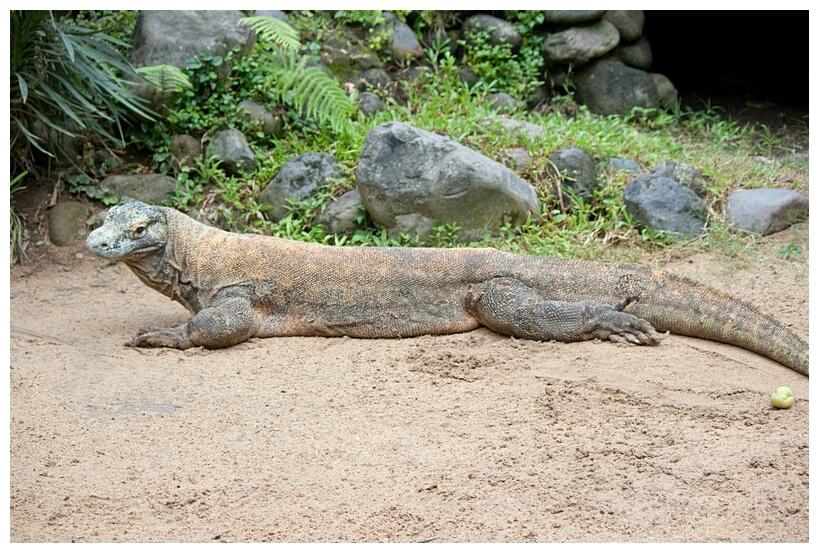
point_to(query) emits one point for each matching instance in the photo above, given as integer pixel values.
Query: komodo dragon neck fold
(160, 268)
(243, 286)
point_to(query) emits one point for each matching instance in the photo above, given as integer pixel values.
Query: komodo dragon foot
(176, 337)
(227, 323)
(624, 328)
(510, 307)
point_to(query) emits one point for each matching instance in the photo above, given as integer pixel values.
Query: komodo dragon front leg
(510, 307)
(225, 323)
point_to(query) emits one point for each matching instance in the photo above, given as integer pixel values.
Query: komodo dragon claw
(626, 302)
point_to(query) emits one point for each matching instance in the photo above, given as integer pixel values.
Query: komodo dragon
(241, 286)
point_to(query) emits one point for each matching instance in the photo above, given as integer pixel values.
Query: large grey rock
(579, 45)
(230, 147)
(147, 188)
(660, 203)
(174, 37)
(572, 17)
(412, 181)
(64, 221)
(298, 179)
(577, 174)
(637, 54)
(629, 23)
(684, 174)
(766, 210)
(402, 42)
(609, 88)
(499, 30)
(343, 216)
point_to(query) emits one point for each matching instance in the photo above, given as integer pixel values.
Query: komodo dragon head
(130, 231)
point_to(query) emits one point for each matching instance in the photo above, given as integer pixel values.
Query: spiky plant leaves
(69, 78)
(273, 30)
(165, 78)
(15, 220)
(292, 81)
(309, 89)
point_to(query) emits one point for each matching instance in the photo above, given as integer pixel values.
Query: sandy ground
(471, 437)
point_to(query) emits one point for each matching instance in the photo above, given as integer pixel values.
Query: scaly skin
(243, 286)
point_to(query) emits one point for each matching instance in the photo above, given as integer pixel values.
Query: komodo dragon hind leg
(510, 307)
(219, 326)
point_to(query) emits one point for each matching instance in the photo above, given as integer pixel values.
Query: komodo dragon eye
(139, 231)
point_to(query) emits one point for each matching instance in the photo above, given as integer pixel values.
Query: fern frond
(165, 78)
(273, 30)
(310, 90)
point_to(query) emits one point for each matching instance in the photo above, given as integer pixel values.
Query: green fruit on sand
(782, 397)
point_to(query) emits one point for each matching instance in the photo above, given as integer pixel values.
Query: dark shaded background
(754, 64)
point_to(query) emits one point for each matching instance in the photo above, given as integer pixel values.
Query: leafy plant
(69, 78)
(440, 57)
(525, 20)
(80, 183)
(309, 89)
(16, 221)
(500, 69)
(766, 139)
(210, 102)
(313, 25)
(291, 80)
(367, 18)
(273, 30)
(445, 236)
(433, 20)
(166, 78)
(117, 23)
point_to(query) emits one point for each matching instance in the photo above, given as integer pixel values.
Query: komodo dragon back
(243, 286)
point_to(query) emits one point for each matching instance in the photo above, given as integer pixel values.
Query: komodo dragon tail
(683, 306)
